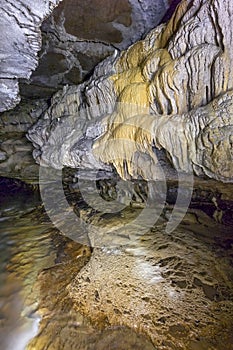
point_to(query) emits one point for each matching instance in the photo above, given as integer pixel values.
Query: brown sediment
(175, 288)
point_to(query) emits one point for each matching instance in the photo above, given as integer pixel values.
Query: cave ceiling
(42, 48)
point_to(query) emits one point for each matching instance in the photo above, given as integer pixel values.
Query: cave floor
(148, 290)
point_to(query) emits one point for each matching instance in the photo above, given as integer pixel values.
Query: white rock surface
(172, 90)
(20, 39)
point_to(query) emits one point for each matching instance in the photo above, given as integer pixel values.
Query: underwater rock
(168, 287)
(172, 90)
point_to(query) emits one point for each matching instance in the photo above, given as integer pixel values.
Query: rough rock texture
(175, 288)
(20, 42)
(66, 36)
(171, 90)
(58, 312)
(71, 47)
(23, 116)
(79, 34)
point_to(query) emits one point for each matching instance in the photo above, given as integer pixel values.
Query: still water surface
(28, 250)
(25, 250)
(30, 246)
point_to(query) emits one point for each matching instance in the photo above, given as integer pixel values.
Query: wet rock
(17, 161)
(59, 315)
(159, 286)
(174, 288)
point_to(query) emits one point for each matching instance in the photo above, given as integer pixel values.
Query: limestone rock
(79, 34)
(22, 117)
(20, 42)
(172, 90)
(60, 120)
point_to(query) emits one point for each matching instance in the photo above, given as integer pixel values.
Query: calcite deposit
(74, 38)
(171, 91)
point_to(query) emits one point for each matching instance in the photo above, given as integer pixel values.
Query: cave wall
(20, 39)
(76, 36)
(79, 34)
(172, 90)
(178, 77)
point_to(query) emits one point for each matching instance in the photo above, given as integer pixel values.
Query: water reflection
(177, 288)
(36, 265)
(25, 250)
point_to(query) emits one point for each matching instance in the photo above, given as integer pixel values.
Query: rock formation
(167, 97)
(73, 42)
(78, 35)
(75, 37)
(20, 43)
(172, 91)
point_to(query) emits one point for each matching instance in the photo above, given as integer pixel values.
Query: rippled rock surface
(20, 43)
(171, 90)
